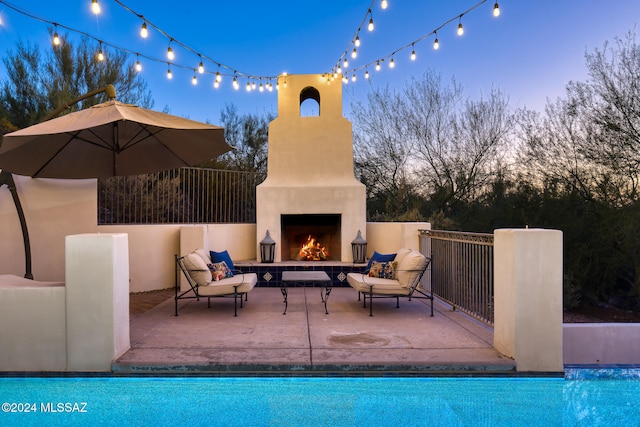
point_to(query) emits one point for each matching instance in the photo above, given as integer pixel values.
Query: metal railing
(178, 196)
(462, 270)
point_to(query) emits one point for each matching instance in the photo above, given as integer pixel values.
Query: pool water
(319, 401)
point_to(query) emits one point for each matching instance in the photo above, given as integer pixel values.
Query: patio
(306, 341)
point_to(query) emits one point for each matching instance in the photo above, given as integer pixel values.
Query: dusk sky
(529, 52)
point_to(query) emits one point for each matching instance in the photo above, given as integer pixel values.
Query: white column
(97, 300)
(528, 298)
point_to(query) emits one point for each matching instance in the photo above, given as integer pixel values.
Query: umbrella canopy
(109, 139)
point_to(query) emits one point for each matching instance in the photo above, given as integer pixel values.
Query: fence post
(528, 298)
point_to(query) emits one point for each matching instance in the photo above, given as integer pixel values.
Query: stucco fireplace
(310, 188)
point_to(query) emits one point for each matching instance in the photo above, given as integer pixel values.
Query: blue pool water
(319, 401)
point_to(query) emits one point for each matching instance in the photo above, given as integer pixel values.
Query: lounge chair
(393, 279)
(197, 268)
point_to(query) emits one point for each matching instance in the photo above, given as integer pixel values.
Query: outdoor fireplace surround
(310, 187)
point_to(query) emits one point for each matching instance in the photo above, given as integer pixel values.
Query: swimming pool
(319, 401)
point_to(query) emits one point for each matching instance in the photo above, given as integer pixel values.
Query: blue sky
(530, 51)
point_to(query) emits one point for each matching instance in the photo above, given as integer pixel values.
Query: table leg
(283, 289)
(324, 295)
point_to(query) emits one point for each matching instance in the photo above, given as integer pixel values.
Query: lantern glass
(359, 249)
(267, 249)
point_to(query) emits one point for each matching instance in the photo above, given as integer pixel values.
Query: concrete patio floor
(306, 341)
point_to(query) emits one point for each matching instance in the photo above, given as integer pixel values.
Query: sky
(530, 52)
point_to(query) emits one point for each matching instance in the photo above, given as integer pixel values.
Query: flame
(312, 251)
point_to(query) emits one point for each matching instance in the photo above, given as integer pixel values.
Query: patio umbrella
(109, 139)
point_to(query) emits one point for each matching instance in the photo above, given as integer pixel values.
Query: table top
(305, 276)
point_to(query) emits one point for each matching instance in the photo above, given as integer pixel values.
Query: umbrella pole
(7, 179)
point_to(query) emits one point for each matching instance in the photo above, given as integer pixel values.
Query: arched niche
(309, 102)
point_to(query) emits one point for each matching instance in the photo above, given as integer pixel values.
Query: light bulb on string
(345, 63)
(216, 84)
(248, 87)
(236, 85)
(218, 77)
(354, 54)
(100, 54)
(169, 74)
(345, 80)
(378, 66)
(460, 28)
(370, 26)
(261, 87)
(413, 53)
(170, 53)
(392, 63)
(253, 85)
(366, 74)
(357, 42)
(353, 77)
(95, 7)
(339, 70)
(194, 80)
(56, 39)
(496, 10)
(384, 4)
(200, 68)
(436, 44)
(138, 65)
(144, 33)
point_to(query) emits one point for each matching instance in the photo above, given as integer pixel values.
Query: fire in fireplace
(313, 250)
(310, 237)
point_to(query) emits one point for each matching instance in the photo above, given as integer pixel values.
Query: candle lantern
(359, 249)
(267, 249)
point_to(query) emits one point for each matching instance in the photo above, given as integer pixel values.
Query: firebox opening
(311, 237)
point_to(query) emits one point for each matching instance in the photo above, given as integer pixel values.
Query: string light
(370, 26)
(218, 77)
(138, 65)
(144, 33)
(100, 54)
(194, 80)
(436, 44)
(460, 29)
(236, 85)
(392, 63)
(95, 7)
(248, 87)
(170, 53)
(496, 10)
(354, 54)
(413, 53)
(357, 42)
(353, 77)
(384, 4)
(378, 66)
(201, 67)
(253, 85)
(345, 64)
(56, 38)
(216, 84)
(169, 75)
(366, 74)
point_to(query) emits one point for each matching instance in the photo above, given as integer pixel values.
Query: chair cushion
(407, 267)
(198, 269)
(380, 258)
(204, 255)
(222, 256)
(244, 281)
(362, 282)
(383, 270)
(220, 270)
(401, 254)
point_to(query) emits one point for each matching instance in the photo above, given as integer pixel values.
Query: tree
(37, 84)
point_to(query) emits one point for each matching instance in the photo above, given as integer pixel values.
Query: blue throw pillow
(222, 256)
(380, 258)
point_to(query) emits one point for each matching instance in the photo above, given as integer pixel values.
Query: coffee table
(305, 278)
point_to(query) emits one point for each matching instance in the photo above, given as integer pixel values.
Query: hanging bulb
(413, 53)
(354, 54)
(56, 39)
(436, 44)
(277, 85)
(378, 66)
(357, 42)
(218, 77)
(345, 80)
(285, 83)
(169, 75)
(270, 87)
(236, 85)
(143, 31)
(261, 88)
(200, 68)
(95, 7)
(138, 65)
(370, 26)
(496, 10)
(194, 80)
(460, 29)
(384, 4)
(339, 70)
(392, 63)
(248, 87)
(170, 54)
(216, 84)
(100, 54)
(253, 85)
(366, 74)
(345, 64)
(353, 77)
